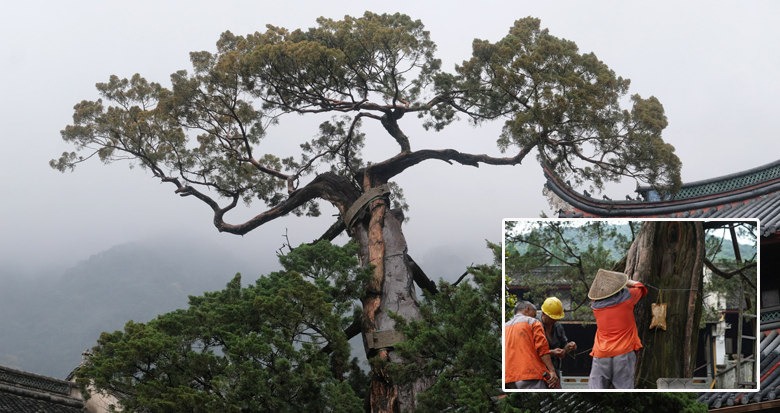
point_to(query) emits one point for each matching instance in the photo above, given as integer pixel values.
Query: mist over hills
(46, 322)
(49, 317)
(747, 251)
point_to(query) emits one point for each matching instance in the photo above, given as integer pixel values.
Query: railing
(581, 382)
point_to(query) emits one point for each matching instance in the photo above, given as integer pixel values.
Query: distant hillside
(727, 252)
(570, 235)
(46, 325)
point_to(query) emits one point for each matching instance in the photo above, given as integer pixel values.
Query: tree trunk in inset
(667, 257)
(391, 288)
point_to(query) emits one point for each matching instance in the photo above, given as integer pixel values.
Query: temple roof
(722, 184)
(769, 376)
(23, 392)
(754, 193)
(13, 403)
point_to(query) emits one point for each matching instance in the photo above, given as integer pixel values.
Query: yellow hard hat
(553, 308)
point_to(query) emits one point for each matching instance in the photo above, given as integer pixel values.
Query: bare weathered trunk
(383, 245)
(667, 257)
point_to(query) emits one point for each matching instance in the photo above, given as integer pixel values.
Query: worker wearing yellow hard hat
(552, 311)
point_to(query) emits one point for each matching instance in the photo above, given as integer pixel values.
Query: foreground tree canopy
(278, 346)
(204, 134)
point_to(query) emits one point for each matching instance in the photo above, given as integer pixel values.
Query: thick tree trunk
(667, 257)
(391, 289)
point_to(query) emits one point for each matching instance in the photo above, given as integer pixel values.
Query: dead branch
(463, 276)
(420, 278)
(286, 243)
(724, 274)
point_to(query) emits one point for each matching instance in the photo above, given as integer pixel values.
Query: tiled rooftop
(23, 392)
(770, 378)
(749, 194)
(765, 208)
(13, 403)
(726, 183)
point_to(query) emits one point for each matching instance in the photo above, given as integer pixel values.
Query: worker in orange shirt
(527, 352)
(617, 342)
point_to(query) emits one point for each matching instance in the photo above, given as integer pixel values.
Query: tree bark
(391, 288)
(667, 257)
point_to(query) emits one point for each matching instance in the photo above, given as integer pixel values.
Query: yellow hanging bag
(659, 314)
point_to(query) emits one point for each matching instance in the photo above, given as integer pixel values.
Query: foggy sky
(711, 64)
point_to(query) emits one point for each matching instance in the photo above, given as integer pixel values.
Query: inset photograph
(659, 305)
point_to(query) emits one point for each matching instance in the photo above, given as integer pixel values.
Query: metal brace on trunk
(386, 339)
(353, 212)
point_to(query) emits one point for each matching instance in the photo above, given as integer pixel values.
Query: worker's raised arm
(638, 290)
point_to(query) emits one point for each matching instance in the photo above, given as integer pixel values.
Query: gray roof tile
(770, 378)
(12, 403)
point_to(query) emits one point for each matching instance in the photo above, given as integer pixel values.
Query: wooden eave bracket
(365, 199)
(384, 339)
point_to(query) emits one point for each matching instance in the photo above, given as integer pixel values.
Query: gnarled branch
(328, 186)
(383, 171)
(728, 275)
(725, 274)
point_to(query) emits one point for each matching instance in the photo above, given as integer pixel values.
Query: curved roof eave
(646, 208)
(759, 201)
(642, 188)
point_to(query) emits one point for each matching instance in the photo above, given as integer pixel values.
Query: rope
(654, 384)
(671, 289)
(581, 352)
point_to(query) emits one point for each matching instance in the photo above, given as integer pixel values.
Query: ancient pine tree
(204, 134)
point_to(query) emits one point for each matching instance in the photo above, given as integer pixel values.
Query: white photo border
(757, 363)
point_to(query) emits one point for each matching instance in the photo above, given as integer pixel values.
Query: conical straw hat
(607, 283)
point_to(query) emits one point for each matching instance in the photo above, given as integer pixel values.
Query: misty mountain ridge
(48, 322)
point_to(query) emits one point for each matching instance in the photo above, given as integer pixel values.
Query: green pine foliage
(567, 105)
(258, 348)
(206, 130)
